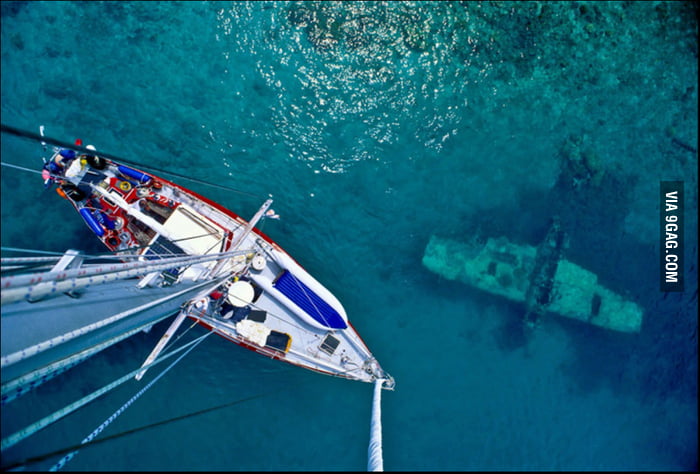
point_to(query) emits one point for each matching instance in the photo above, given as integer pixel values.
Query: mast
(246, 230)
(181, 317)
(258, 215)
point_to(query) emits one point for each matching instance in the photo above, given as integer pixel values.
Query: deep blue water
(374, 126)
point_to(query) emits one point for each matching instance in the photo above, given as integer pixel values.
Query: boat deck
(268, 302)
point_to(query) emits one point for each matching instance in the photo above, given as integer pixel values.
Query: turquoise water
(373, 126)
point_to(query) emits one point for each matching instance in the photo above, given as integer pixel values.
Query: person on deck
(59, 163)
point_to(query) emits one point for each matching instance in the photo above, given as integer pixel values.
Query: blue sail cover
(310, 302)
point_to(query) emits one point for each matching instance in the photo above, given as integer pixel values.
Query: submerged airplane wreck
(537, 276)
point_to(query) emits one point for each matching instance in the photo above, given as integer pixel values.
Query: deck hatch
(162, 247)
(329, 344)
(193, 232)
(279, 340)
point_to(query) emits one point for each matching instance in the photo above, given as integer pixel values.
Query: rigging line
(121, 410)
(206, 234)
(15, 438)
(87, 256)
(281, 319)
(9, 270)
(35, 285)
(284, 320)
(308, 297)
(107, 255)
(23, 354)
(341, 374)
(5, 260)
(204, 411)
(167, 421)
(135, 430)
(59, 254)
(10, 165)
(92, 208)
(126, 270)
(51, 175)
(43, 252)
(183, 253)
(299, 284)
(23, 384)
(39, 138)
(101, 210)
(172, 343)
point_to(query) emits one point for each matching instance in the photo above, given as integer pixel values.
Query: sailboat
(172, 252)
